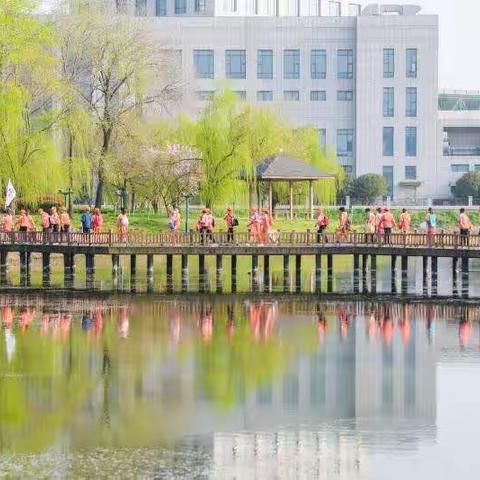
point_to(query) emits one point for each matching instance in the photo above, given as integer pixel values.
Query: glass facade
(318, 95)
(291, 64)
(318, 64)
(205, 95)
(388, 102)
(460, 168)
(345, 64)
(200, 5)
(235, 64)
(241, 94)
(322, 138)
(204, 63)
(265, 64)
(140, 8)
(388, 141)
(344, 95)
(411, 62)
(345, 142)
(388, 63)
(411, 172)
(411, 142)
(411, 102)
(291, 95)
(161, 8)
(334, 9)
(387, 172)
(354, 10)
(265, 96)
(180, 7)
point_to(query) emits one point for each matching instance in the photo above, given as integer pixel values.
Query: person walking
(122, 223)
(231, 222)
(431, 221)
(344, 224)
(378, 221)
(65, 222)
(54, 220)
(86, 220)
(266, 224)
(44, 220)
(388, 223)
(210, 225)
(97, 221)
(31, 222)
(369, 225)
(405, 221)
(321, 225)
(7, 221)
(202, 225)
(465, 227)
(253, 225)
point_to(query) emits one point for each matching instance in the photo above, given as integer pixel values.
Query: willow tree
(117, 66)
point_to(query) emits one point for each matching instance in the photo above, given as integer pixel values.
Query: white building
(366, 79)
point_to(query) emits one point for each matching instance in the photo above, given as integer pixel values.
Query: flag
(11, 194)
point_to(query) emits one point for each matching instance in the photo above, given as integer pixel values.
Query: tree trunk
(107, 133)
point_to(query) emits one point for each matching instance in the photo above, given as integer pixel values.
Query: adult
(202, 224)
(266, 224)
(378, 221)
(86, 220)
(321, 225)
(405, 221)
(173, 219)
(7, 221)
(44, 219)
(431, 221)
(97, 221)
(31, 222)
(465, 226)
(65, 222)
(344, 224)
(254, 225)
(369, 224)
(210, 224)
(388, 223)
(231, 223)
(54, 220)
(22, 221)
(122, 222)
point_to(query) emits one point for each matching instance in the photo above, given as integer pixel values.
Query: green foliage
(468, 185)
(346, 187)
(369, 186)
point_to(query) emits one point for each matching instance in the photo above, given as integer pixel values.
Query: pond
(237, 387)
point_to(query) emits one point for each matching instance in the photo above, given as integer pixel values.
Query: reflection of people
(123, 322)
(321, 327)
(262, 319)
(404, 325)
(174, 328)
(230, 327)
(387, 325)
(26, 317)
(431, 315)
(205, 323)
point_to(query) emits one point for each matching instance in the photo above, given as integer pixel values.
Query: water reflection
(264, 388)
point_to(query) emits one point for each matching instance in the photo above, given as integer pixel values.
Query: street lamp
(123, 196)
(67, 198)
(187, 198)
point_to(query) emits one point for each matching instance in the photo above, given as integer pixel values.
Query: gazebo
(285, 168)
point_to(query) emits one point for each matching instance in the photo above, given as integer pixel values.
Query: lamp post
(187, 204)
(123, 196)
(67, 198)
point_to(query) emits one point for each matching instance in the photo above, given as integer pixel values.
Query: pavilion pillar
(310, 199)
(270, 198)
(290, 186)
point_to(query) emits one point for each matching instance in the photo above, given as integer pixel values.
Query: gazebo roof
(283, 167)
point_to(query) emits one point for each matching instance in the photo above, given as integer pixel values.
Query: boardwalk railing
(439, 240)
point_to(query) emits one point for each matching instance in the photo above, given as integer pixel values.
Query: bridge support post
(3, 268)
(90, 269)
(286, 273)
(425, 275)
(266, 273)
(233, 273)
(394, 273)
(404, 274)
(115, 270)
(373, 273)
(202, 274)
(298, 273)
(330, 273)
(169, 273)
(133, 273)
(364, 273)
(434, 267)
(318, 273)
(254, 273)
(219, 271)
(150, 260)
(46, 269)
(356, 273)
(184, 273)
(455, 276)
(465, 277)
(24, 268)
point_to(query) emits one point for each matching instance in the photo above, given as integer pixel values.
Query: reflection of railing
(461, 151)
(243, 239)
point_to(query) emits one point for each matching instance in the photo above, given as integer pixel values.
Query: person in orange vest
(44, 220)
(7, 221)
(322, 224)
(22, 221)
(31, 222)
(388, 223)
(465, 227)
(405, 221)
(65, 221)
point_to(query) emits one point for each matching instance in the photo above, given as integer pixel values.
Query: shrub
(368, 187)
(468, 185)
(45, 201)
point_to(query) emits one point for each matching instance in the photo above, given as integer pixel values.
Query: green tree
(346, 187)
(368, 187)
(468, 185)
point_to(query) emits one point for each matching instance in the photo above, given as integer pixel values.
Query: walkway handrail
(308, 238)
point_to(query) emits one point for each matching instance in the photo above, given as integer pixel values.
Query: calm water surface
(237, 387)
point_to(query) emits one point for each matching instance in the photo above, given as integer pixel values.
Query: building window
(204, 63)
(265, 96)
(460, 167)
(411, 102)
(200, 5)
(412, 62)
(335, 9)
(344, 95)
(388, 63)
(141, 8)
(265, 64)
(345, 142)
(411, 142)
(354, 10)
(477, 168)
(388, 141)
(387, 172)
(345, 63)
(204, 95)
(161, 8)
(291, 64)
(322, 138)
(180, 7)
(241, 94)
(291, 95)
(410, 173)
(235, 64)
(388, 102)
(318, 95)
(318, 64)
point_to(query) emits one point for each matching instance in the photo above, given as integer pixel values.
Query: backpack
(234, 222)
(326, 221)
(432, 221)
